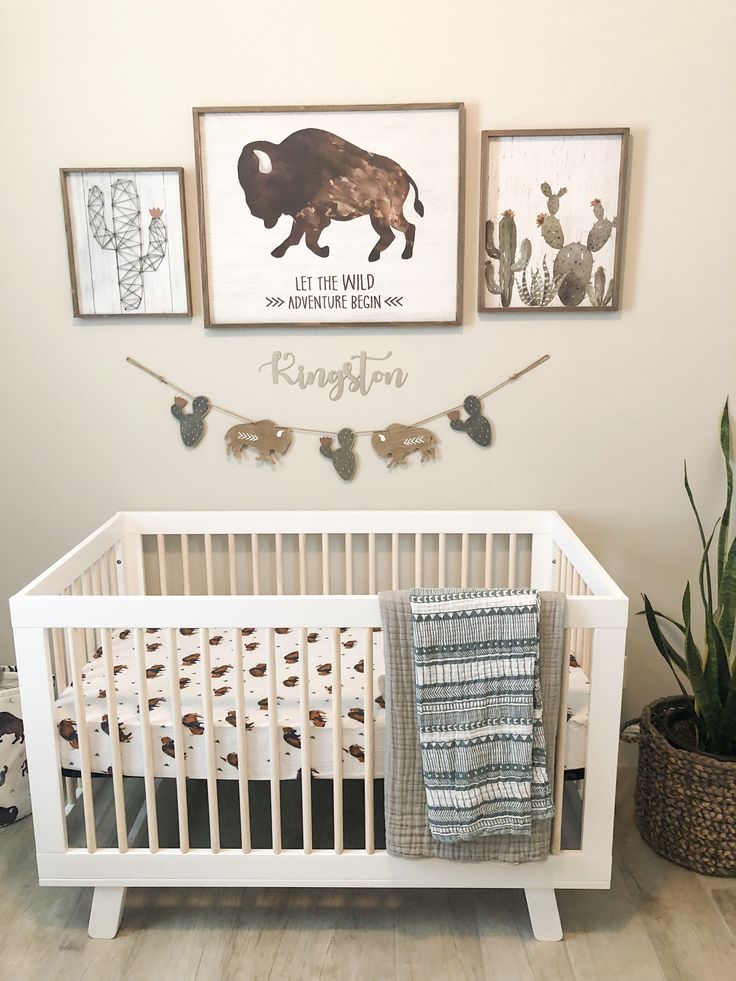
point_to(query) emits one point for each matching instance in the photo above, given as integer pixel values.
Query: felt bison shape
(317, 177)
(396, 442)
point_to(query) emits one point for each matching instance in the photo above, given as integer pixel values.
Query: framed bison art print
(331, 215)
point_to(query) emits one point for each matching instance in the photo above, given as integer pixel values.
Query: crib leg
(543, 913)
(106, 912)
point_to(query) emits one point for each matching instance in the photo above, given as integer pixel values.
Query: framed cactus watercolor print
(552, 219)
(127, 243)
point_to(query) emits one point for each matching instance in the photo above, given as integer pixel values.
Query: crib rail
(218, 573)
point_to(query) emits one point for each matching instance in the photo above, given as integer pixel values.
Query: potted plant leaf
(685, 798)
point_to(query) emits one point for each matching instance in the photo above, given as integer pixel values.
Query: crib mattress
(192, 740)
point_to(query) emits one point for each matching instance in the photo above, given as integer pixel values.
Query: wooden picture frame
(249, 279)
(537, 189)
(111, 274)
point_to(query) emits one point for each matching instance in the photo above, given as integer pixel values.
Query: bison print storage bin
(15, 794)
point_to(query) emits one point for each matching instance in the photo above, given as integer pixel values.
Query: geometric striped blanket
(479, 711)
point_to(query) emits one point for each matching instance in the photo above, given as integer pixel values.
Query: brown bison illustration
(187, 631)
(292, 657)
(191, 659)
(68, 732)
(217, 639)
(291, 736)
(292, 681)
(183, 682)
(357, 752)
(218, 692)
(168, 747)
(317, 177)
(318, 719)
(247, 631)
(324, 669)
(231, 719)
(11, 725)
(192, 722)
(281, 630)
(252, 646)
(154, 671)
(231, 758)
(358, 715)
(258, 671)
(221, 670)
(124, 634)
(123, 736)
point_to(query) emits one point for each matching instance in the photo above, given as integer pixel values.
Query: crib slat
(348, 564)
(85, 589)
(488, 563)
(442, 571)
(368, 729)
(96, 579)
(104, 573)
(306, 748)
(208, 565)
(209, 735)
(256, 565)
(302, 564)
(558, 568)
(325, 564)
(76, 649)
(149, 782)
(273, 734)
(243, 795)
(60, 676)
(178, 734)
(161, 548)
(112, 725)
(561, 747)
(394, 561)
(279, 564)
(512, 560)
(418, 559)
(186, 571)
(464, 559)
(113, 573)
(337, 739)
(372, 563)
(233, 571)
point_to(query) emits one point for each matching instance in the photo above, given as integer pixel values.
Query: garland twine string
(327, 432)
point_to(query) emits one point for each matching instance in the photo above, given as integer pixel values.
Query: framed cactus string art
(126, 236)
(552, 219)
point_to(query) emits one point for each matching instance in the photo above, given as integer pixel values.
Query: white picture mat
(241, 271)
(95, 268)
(589, 166)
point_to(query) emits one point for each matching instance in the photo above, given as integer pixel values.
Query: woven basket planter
(685, 802)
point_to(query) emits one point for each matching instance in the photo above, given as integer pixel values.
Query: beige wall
(599, 433)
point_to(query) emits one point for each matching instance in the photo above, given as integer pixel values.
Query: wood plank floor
(657, 922)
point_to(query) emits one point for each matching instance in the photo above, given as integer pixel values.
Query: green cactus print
(601, 230)
(505, 253)
(573, 263)
(598, 295)
(476, 425)
(191, 423)
(543, 288)
(343, 458)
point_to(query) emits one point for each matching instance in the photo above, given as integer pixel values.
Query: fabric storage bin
(15, 794)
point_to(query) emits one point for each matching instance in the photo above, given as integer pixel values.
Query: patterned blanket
(479, 711)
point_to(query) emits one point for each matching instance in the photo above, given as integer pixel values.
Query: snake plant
(709, 668)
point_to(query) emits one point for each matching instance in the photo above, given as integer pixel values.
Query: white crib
(217, 576)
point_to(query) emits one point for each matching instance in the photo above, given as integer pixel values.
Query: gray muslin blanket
(407, 828)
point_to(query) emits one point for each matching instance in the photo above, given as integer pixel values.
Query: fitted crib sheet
(167, 743)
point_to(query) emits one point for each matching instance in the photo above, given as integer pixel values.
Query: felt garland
(394, 444)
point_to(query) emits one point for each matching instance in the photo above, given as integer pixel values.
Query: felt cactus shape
(126, 239)
(598, 295)
(476, 425)
(343, 458)
(543, 288)
(505, 254)
(602, 228)
(191, 423)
